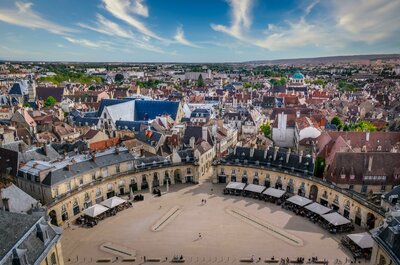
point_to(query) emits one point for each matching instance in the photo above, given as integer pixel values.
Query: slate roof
(200, 113)
(109, 102)
(29, 228)
(130, 125)
(384, 235)
(43, 93)
(153, 140)
(59, 175)
(197, 133)
(266, 158)
(19, 88)
(13, 226)
(150, 109)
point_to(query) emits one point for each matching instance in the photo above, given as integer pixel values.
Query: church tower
(31, 89)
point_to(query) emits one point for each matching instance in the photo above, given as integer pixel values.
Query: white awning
(255, 188)
(235, 185)
(363, 240)
(113, 202)
(95, 210)
(299, 200)
(318, 208)
(274, 192)
(335, 219)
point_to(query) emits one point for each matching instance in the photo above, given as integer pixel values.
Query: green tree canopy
(200, 81)
(266, 129)
(337, 122)
(119, 78)
(50, 101)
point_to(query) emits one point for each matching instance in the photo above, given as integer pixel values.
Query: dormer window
(19, 256)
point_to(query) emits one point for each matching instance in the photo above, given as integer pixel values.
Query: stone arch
(302, 189)
(110, 190)
(371, 219)
(121, 186)
(156, 180)
(267, 181)
(144, 185)
(53, 217)
(382, 260)
(76, 209)
(178, 175)
(133, 186)
(167, 178)
(346, 209)
(313, 192)
(278, 183)
(357, 216)
(245, 178)
(290, 187)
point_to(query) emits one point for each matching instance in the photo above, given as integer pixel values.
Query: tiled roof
(150, 109)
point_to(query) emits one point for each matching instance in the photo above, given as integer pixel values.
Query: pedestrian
(205, 202)
(199, 235)
(144, 258)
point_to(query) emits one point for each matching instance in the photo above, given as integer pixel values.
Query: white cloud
(180, 38)
(87, 43)
(108, 27)
(240, 19)
(24, 16)
(125, 9)
(140, 9)
(368, 20)
(358, 20)
(111, 28)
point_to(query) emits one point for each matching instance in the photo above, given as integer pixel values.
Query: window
(117, 168)
(109, 187)
(188, 171)
(68, 186)
(55, 191)
(94, 176)
(104, 172)
(80, 181)
(383, 188)
(336, 199)
(130, 165)
(98, 192)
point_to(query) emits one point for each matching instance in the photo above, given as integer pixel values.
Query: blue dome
(298, 75)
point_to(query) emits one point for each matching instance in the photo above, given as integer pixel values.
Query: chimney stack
(204, 133)
(276, 152)
(301, 156)
(370, 159)
(288, 155)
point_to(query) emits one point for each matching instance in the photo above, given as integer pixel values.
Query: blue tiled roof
(150, 109)
(130, 125)
(298, 75)
(85, 121)
(200, 113)
(16, 89)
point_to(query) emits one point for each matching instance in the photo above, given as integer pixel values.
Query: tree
(266, 129)
(50, 101)
(119, 78)
(200, 81)
(319, 167)
(337, 122)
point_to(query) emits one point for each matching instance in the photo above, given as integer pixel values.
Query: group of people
(157, 192)
(203, 201)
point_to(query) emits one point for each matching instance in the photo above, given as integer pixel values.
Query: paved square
(222, 235)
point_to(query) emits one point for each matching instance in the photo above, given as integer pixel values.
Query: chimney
(204, 133)
(94, 156)
(191, 142)
(367, 136)
(288, 155)
(301, 156)
(266, 152)
(370, 159)
(251, 152)
(276, 152)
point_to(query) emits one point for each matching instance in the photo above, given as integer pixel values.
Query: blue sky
(194, 30)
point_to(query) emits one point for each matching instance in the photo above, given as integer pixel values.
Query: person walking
(199, 235)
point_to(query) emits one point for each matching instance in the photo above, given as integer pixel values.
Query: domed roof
(298, 75)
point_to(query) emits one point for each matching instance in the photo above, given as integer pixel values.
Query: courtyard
(224, 229)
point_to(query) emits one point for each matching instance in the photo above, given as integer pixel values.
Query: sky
(195, 30)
